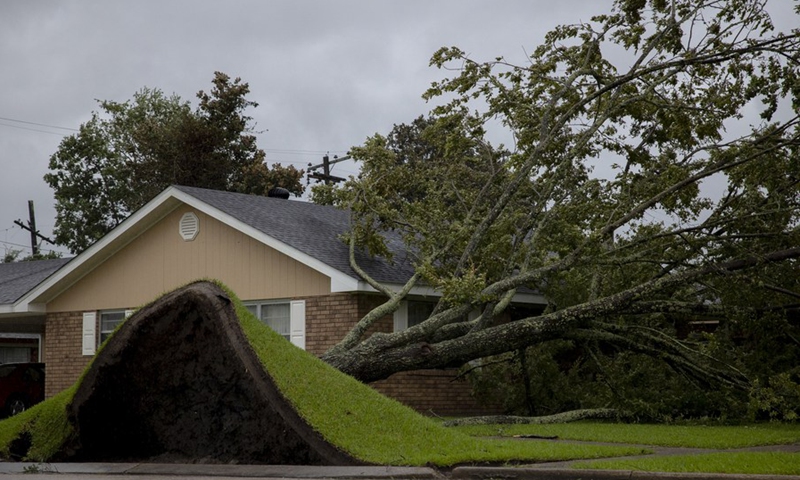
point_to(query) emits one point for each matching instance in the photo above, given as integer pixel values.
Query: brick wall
(62, 353)
(328, 319)
(434, 392)
(439, 392)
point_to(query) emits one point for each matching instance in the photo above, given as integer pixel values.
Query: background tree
(634, 191)
(124, 157)
(12, 256)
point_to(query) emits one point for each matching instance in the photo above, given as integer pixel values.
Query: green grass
(764, 463)
(46, 423)
(695, 436)
(349, 414)
(376, 429)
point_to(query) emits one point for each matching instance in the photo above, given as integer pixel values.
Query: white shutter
(89, 333)
(401, 317)
(297, 321)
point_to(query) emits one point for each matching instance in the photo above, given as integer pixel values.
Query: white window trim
(297, 318)
(401, 317)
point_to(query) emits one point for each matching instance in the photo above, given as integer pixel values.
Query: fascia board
(340, 281)
(34, 308)
(98, 252)
(424, 291)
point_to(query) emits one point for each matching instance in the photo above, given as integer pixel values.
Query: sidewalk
(542, 471)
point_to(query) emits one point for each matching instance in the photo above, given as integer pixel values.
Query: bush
(563, 376)
(778, 399)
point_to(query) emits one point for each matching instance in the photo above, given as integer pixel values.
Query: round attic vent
(189, 226)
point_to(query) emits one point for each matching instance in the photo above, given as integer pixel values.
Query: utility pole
(326, 176)
(31, 227)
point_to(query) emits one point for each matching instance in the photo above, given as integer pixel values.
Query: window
(109, 320)
(288, 318)
(418, 312)
(412, 312)
(276, 315)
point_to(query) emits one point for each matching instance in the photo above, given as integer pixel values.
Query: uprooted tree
(653, 169)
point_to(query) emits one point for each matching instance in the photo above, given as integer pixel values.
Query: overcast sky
(326, 74)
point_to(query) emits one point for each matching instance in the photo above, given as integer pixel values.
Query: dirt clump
(178, 382)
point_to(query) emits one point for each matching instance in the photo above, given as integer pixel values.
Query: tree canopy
(652, 171)
(130, 151)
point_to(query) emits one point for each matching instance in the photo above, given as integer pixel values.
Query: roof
(314, 230)
(18, 278)
(306, 232)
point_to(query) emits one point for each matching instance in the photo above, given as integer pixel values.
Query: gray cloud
(326, 74)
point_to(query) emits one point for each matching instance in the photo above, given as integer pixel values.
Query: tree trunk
(563, 417)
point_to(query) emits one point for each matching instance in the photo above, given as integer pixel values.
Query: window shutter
(89, 333)
(401, 317)
(297, 321)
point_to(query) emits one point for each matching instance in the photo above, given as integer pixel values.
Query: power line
(28, 247)
(30, 129)
(37, 124)
(326, 165)
(302, 152)
(280, 151)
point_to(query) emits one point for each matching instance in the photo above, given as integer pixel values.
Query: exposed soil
(180, 383)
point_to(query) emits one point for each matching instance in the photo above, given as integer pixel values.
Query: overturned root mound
(179, 382)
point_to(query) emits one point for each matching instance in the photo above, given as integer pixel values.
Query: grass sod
(376, 429)
(45, 425)
(693, 436)
(757, 463)
(347, 413)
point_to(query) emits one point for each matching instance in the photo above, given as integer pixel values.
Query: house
(283, 258)
(21, 333)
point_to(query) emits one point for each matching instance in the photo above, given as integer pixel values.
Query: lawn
(379, 430)
(695, 436)
(763, 463)
(691, 436)
(350, 415)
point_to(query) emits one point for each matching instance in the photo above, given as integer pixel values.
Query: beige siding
(159, 260)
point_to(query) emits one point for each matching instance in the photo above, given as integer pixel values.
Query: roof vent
(278, 192)
(189, 226)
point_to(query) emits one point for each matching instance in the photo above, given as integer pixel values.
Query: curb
(220, 470)
(159, 470)
(522, 473)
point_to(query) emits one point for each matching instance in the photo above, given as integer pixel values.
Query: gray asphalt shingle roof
(312, 229)
(17, 279)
